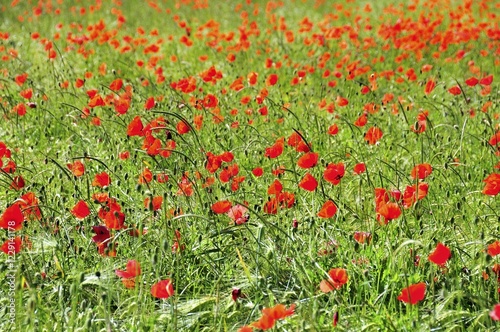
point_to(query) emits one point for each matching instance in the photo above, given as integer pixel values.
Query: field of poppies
(196, 165)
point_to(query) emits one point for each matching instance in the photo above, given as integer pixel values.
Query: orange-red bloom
(308, 182)
(101, 180)
(492, 186)
(413, 294)
(163, 289)
(221, 207)
(328, 210)
(494, 248)
(80, 210)
(421, 171)
(440, 255)
(336, 279)
(373, 135)
(334, 173)
(308, 160)
(12, 218)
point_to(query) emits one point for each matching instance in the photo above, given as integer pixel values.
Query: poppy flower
(421, 171)
(276, 149)
(328, 210)
(135, 127)
(116, 85)
(373, 135)
(272, 80)
(182, 127)
(163, 289)
(132, 270)
(492, 186)
(275, 188)
(245, 328)
(236, 294)
(455, 90)
(414, 193)
(77, 168)
(440, 255)
(486, 80)
(271, 315)
(221, 207)
(101, 180)
(336, 279)
(149, 104)
(413, 294)
(333, 129)
(258, 171)
(495, 313)
(239, 214)
(12, 246)
(153, 204)
(359, 168)
(80, 210)
(334, 173)
(308, 182)
(472, 81)
(429, 86)
(114, 220)
(12, 218)
(308, 160)
(389, 211)
(494, 248)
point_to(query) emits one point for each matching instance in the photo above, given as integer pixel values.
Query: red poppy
(275, 188)
(149, 104)
(413, 294)
(132, 270)
(494, 248)
(492, 186)
(12, 246)
(334, 173)
(162, 289)
(389, 211)
(421, 171)
(272, 80)
(455, 90)
(308, 182)
(146, 176)
(472, 81)
(135, 127)
(102, 234)
(153, 204)
(80, 210)
(429, 86)
(182, 127)
(12, 218)
(271, 315)
(258, 171)
(333, 129)
(414, 193)
(77, 168)
(336, 279)
(495, 313)
(359, 168)
(373, 135)
(101, 180)
(440, 255)
(221, 207)
(115, 219)
(276, 149)
(486, 80)
(239, 214)
(116, 84)
(328, 210)
(308, 160)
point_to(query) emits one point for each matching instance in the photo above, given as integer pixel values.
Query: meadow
(193, 165)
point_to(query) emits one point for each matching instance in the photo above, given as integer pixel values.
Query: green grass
(62, 282)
